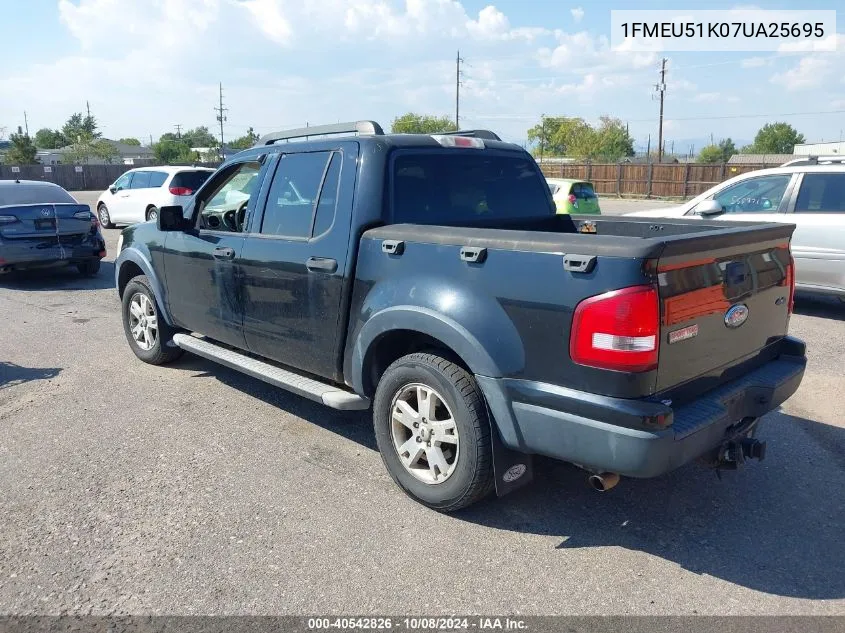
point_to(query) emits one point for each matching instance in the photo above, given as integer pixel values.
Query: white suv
(139, 193)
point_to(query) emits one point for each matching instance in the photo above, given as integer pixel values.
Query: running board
(315, 390)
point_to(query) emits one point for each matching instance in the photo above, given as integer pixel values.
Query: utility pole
(178, 127)
(542, 135)
(661, 89)
(25, 123)
(88, 109)
(151, 140)
(458, 62)
(648, 150)
(221, 116)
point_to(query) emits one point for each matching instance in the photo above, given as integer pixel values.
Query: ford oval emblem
(736, 316)
(514, 472)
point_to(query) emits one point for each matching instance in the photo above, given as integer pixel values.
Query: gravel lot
(127, 488)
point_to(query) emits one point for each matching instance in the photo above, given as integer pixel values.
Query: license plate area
(49, 223)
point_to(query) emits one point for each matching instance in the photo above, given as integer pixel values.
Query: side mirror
(171, 219)
(112, 188)
(709, 208)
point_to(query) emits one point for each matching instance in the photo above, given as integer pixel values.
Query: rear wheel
(89, 268)
(433, 432)
(149, 336)
(105, 218)
(152, 214)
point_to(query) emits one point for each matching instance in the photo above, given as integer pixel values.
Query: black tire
(162, 351)
(89, 268)
(472, 477)
(104, 217)
(152, 214)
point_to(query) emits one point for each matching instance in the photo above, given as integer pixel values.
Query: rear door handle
(321, 265)
(222, 252)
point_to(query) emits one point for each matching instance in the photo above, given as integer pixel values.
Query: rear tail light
(8, 219)
(181, 191)
(617, 330)
(458, 141)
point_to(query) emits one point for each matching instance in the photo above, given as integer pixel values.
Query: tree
(612, 140)
(717, 153)
(22, 150)
(199, 137)
(87, 147)
(412, 123)
(169, 151)
(246, 141)
(559, 136)
(45, 138)
(129, 140)
(78, 127)
(775, 138)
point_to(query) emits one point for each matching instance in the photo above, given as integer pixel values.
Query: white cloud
(577, 14)
(811, 72)
(583, 52)
(754, 62)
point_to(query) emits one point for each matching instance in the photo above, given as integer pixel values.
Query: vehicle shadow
(11, 374)
(819, 306)
(352, 425)
(62, 278)
(774, 526)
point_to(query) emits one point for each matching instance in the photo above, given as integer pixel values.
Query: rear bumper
(622, 436)
(23, 253)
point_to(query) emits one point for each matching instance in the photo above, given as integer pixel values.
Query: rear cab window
(466, 187)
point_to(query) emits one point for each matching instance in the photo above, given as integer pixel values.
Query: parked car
(810, 196)
(42, 225)
(574, 196)
(139, 193)
(434, 282)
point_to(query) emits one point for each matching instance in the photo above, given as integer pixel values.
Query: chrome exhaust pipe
(603, 481)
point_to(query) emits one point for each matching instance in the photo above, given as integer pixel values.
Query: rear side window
(294, 194)
(192, 180)
(141, 180)
(157, 178)
(821, 193)
(583, 191)
(467, 187)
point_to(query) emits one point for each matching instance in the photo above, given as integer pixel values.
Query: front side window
(224, 207)
(821, 193)
(123, 181)
(755, 195)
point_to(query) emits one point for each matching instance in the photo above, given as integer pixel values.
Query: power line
(221, 116)
(529, 117)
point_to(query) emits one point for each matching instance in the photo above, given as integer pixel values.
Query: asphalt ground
(191, 489)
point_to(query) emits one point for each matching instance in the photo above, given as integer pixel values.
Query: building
(832, 148)
(134, 155)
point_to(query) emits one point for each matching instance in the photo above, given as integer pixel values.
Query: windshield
(467, 187)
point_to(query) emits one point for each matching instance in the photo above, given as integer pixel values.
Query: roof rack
(360, 127)
(814, 160)
(485, 134)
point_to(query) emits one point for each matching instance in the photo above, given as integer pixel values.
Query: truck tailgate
(723, 300)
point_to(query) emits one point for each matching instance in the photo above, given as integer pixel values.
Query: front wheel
(433, 432)
(149, 335)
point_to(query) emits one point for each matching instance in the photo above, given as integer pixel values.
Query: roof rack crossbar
(359, 127)
(485, 134)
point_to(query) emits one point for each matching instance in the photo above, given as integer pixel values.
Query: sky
(145, 66)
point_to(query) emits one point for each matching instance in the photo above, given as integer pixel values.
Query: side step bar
(315, 390)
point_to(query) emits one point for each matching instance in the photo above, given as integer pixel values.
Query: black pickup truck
(430, 278)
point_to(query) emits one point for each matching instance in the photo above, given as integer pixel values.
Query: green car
(574, 196)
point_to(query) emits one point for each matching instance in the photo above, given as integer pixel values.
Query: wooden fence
(619, 179)
(648, 180)
(73, 177)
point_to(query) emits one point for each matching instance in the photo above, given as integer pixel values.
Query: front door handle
(321, 265)
(222, 252)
